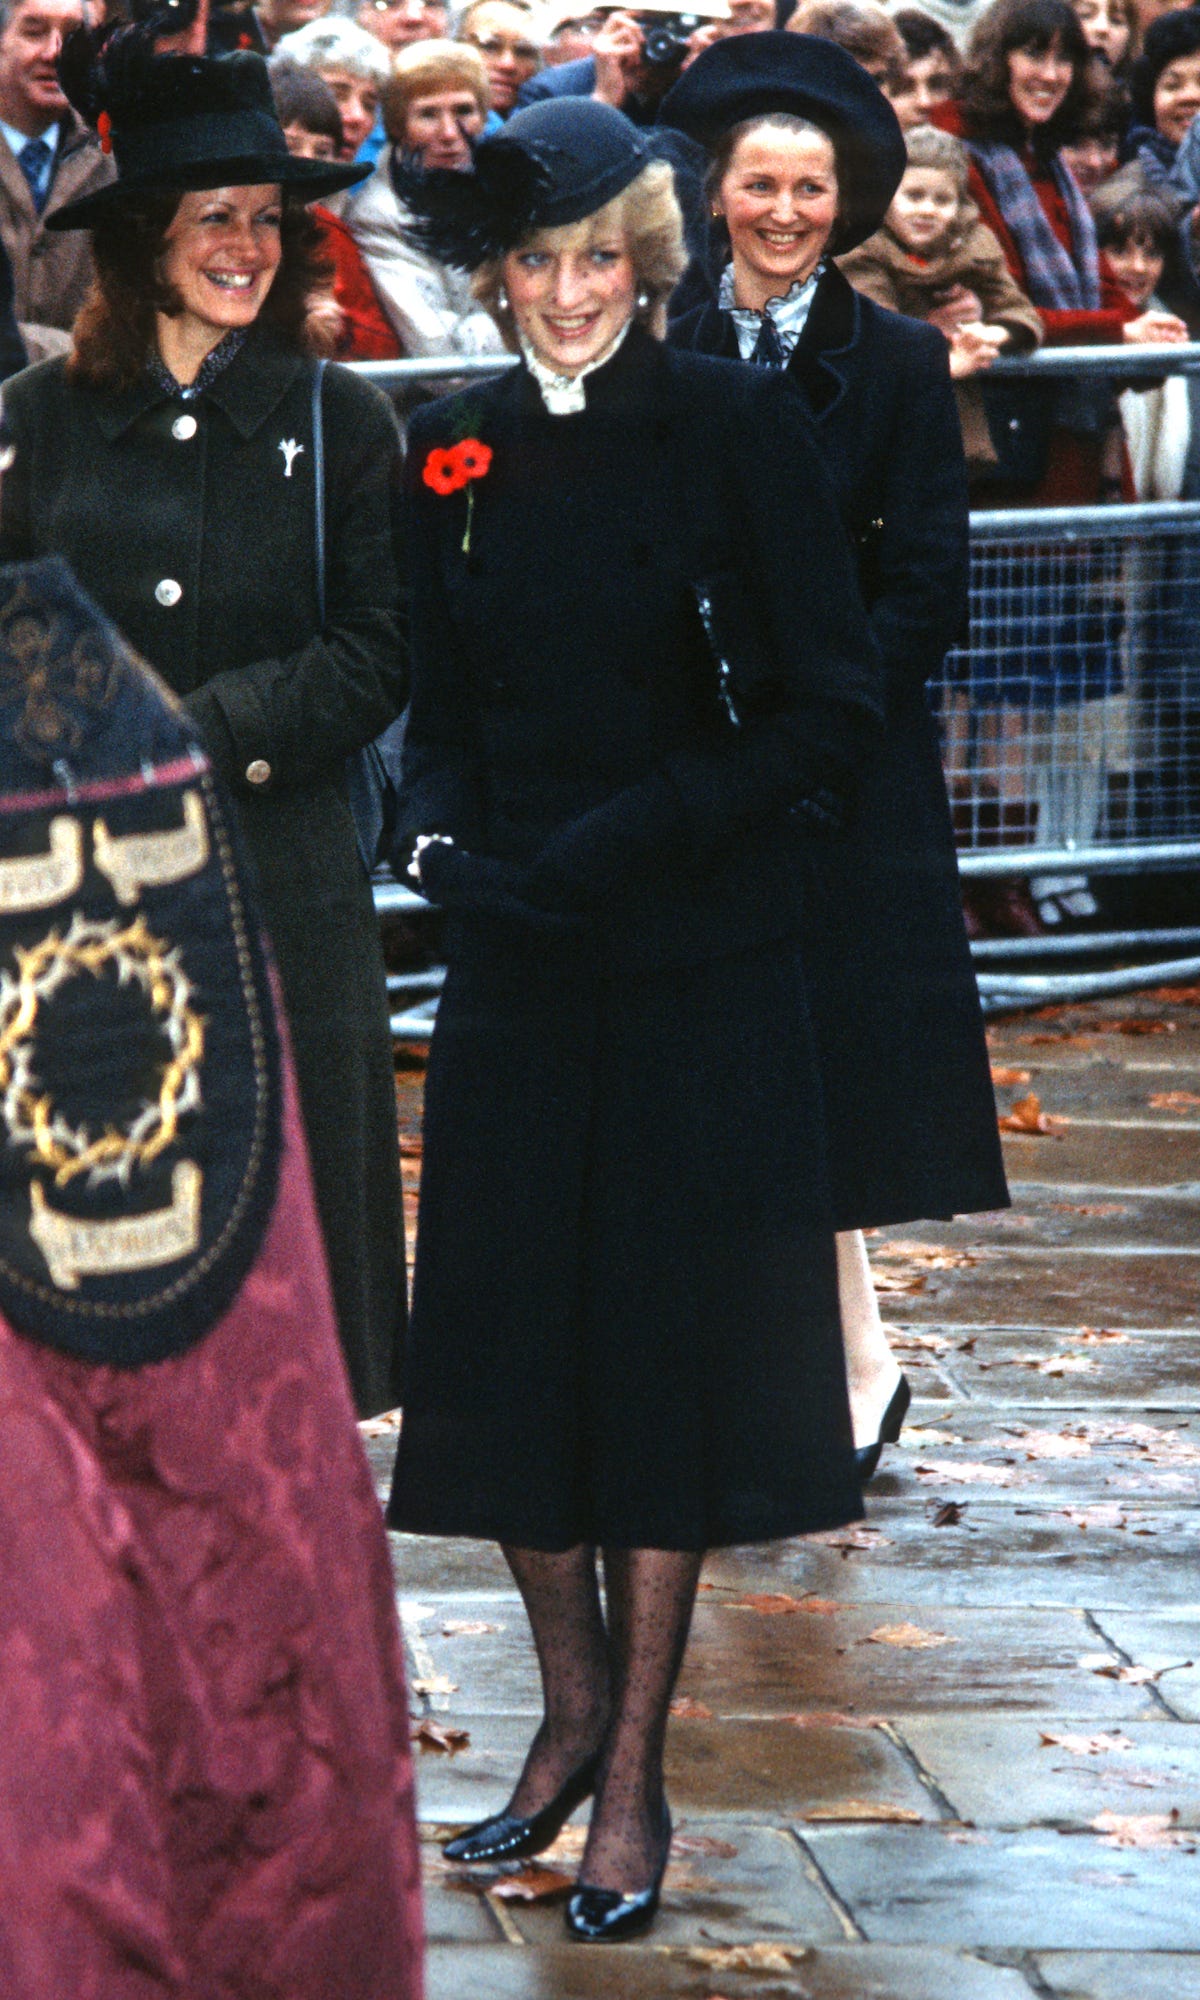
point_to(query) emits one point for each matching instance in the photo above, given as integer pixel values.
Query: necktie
(34, 161)
(768, 348)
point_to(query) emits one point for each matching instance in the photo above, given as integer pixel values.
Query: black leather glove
(480, 885)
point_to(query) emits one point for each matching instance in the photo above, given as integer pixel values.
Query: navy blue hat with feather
(554, 163)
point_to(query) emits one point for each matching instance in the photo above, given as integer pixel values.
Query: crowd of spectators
(1053, 195)
(388, 81)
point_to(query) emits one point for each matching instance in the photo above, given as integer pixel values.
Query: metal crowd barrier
(1070, 721)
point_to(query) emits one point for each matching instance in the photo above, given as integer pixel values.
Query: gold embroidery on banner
(35, 881)
(74, 1248)
(28, 1110)
(136, 861)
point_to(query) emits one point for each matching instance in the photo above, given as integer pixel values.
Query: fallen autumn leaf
(910, 1637)
(438, 1736)
(1027, 1117)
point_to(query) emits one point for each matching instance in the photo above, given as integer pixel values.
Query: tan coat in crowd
(888, 273)
(52, 269)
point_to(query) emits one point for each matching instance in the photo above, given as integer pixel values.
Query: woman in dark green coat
(171, 459)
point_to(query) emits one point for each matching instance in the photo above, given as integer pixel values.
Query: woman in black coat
(634, 711)
(171, 459)
(805, 156)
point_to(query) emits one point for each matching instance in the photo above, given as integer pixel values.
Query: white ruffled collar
(564, 395)
(789, 314)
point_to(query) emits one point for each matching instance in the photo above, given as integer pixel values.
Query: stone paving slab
(1012, 1363)
(1097, 1156)
(573, 1972)
(1142, 1975)
(1043, 1219)
(1025, 1891)
(1061, 1289)
(760, 1768)
(749, 1665)
(767, 1888)
(1003, 1552)
(1163, 1639)
(997, 1771)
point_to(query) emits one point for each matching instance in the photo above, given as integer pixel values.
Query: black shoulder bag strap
(372, 795)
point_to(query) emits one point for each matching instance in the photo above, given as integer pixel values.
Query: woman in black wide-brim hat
(805, 155)
(172, 458)
(642, 685)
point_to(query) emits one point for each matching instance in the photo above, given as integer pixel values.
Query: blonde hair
(647, 216)
(426, 67)
(926, 146)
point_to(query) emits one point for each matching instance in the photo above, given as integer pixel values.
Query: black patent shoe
(606, 1916)
(867, 1460)
(507, 1837)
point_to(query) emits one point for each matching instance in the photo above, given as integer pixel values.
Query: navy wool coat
(193, 525)
(912, 1121)
(625, 1256)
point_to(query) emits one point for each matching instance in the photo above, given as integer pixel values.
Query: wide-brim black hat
(182, 122)
(554, 163)
(750, 76)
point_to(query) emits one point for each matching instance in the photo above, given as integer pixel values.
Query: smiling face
(1138, 267)
(925, 210)
(1177, 97)
(439, 128)
(779, 198)
(222, 252)
(1038, 82)
(571, 292)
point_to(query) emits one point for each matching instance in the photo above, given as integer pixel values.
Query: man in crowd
(636, 57)
(399, 22)
(276, 18)
(47, 159)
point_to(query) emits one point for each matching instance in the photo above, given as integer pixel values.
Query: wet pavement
(953, 1754)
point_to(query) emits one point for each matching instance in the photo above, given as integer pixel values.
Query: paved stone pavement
(899, 1743)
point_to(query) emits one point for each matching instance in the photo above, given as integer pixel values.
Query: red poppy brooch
(449, 468)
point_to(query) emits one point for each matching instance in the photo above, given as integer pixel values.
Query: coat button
(183, 428)
(258, 772)
(168, 592)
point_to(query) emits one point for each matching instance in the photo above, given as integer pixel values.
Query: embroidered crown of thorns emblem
(30, 1115)
(140, 1084)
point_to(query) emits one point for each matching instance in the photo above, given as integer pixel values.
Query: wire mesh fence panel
(1071, 719)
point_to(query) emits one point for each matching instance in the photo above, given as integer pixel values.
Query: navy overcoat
(625, 1325)
(912, 1120)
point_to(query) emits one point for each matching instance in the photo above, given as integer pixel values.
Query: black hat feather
(554, 163)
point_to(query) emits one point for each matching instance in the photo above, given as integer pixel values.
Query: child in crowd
(935, 260)
(359, 329)
(1138, 230)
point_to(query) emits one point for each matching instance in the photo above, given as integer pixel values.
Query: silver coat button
(184, 428)
(259, 772)
(168, 592)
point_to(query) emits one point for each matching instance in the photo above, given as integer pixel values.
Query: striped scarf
(1064, 281)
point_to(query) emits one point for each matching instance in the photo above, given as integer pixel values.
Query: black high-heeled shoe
(867, 1459)
(508, 1837)
(606, 1916)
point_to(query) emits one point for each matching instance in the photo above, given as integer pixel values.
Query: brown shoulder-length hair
(114, 331)
(1032, 25)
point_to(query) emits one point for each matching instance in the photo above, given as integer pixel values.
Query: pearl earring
(502, 299)
(643, 299)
